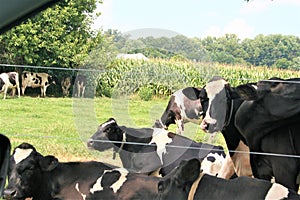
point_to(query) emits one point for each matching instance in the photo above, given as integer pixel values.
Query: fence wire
(137, 143)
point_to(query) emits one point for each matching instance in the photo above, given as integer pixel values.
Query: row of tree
(61, 36)
(276, 50)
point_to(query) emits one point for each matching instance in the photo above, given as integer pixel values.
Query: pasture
(61, 126)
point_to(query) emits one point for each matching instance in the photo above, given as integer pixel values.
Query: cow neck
(195, 186)
(121, 146)
(229, 107)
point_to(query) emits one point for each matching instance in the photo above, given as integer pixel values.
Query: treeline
(61, 36)
(276, 50)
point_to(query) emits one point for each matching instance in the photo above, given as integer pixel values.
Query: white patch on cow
(107, 123)
(77, 188)
(179, 96)
(97, 186)
(160, 138)
(116, 186)
(212, 89)
(21, 154)
(212, 168)
(277, 191)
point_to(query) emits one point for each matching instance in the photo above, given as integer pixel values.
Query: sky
(201, 18)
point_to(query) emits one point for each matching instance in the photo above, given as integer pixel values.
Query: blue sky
(200, 18)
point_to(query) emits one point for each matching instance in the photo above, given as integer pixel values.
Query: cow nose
(8, 193)
(90, 143)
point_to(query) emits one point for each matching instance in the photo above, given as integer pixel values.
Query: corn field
(162, 77)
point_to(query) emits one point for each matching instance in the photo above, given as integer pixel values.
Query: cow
(119, 183)
(9, 80)
(130, 144)
(32, 175)
(5, 147)
(166, 150)
(235, 142)
(223, 103)
(66, 84)
(35, 80)
(184, 106)
(80, 85)
(187, 181)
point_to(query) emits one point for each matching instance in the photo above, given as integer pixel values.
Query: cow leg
(23, 90)
(18, 89)
(13, 91)
(83, 89)
(5, 91)
(180, 126)
(227, 169)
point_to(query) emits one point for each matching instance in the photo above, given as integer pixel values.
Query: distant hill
(154, 32)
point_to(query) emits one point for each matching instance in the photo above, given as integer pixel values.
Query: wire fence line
(152, 144)
(134, 143)
(132, 72)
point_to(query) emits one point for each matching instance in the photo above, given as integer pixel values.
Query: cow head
(178, 183)
(52, 79)
(215, 99)
(217, 102)
(25, 173)
(106, 132)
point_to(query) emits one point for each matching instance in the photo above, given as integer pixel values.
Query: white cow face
(215, 105)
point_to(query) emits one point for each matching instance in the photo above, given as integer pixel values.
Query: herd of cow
(11, 81)
(259, 122)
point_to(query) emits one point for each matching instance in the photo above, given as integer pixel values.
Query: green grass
(61, 126)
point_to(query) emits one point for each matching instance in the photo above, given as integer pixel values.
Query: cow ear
(48, 163)
(247, 92)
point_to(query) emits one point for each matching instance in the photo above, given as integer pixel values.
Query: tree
(59, 36)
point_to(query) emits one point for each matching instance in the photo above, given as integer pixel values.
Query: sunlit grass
(61, 126)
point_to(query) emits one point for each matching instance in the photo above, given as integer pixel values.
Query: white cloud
(237, 26)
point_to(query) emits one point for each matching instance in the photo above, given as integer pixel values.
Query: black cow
(167, 150)
(184, 106)
(187, 182)
(35, 176)
(110, 135)
(221, 104)
(35, 80)
(4, 160)
(120, 184)
(32, 175)
(9, 80)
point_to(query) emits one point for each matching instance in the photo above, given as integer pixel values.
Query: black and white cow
(35, 80)
(66, 84)
(223, 103)
(9, 80)
(227, 108)
(110, 135)
(184, 106)
(188, 182)
(119, 184)
(166, 150)
(80, 85)
(35, 176)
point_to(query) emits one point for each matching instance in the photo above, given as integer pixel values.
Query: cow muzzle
(206, 122)
(9, 193)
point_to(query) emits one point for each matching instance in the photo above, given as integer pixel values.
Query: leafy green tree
(59, 36)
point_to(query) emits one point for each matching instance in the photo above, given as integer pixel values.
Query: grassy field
(61, 126)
